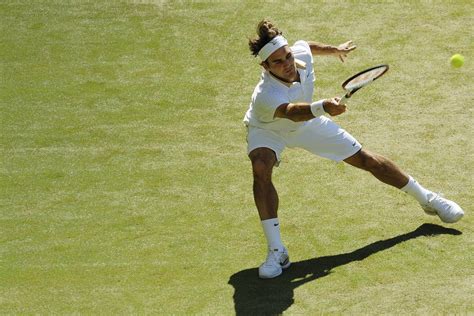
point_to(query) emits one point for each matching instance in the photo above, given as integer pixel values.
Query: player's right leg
(264, 192)
(266, 199)
(264, 150)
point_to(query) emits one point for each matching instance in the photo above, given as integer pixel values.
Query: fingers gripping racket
(362, 79)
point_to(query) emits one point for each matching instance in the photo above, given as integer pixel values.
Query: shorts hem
(355, 151)
(277, 154)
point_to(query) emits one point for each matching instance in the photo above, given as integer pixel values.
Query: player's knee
(261, 171)
(373, 163)
(262, 164)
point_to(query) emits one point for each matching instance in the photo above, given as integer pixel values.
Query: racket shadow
(272, 297)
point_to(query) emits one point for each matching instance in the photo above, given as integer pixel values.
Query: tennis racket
(362, 79)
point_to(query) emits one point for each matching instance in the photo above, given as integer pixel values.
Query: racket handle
(343, 99)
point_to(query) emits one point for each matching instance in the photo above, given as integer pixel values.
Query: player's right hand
(332, 106)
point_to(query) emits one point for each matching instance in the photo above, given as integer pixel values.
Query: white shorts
(320, 136)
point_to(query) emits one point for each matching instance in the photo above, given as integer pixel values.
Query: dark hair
(266, 31)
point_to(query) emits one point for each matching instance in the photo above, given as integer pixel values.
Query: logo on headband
(268, 49)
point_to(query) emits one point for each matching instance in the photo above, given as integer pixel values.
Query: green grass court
(125, 186)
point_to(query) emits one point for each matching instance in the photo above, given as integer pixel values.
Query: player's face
(282, 64)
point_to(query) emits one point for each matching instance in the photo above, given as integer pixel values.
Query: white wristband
(317, 108)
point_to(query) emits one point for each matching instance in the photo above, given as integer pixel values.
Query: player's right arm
(299, 112)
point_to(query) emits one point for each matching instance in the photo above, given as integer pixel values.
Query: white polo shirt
(271, 92)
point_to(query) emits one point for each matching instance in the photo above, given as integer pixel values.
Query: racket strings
(364, 78)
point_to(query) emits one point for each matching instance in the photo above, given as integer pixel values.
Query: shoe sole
(454, 219)
(283, 267)
(270, 276)
(429, 212)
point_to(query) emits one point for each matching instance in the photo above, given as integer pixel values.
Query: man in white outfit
(282, 114)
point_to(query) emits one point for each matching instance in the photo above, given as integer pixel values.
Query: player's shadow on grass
(254, 296)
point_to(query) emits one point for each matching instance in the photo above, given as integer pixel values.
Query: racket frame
(350, 92)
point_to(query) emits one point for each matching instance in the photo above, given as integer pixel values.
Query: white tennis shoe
(277, 260)
(447, 210)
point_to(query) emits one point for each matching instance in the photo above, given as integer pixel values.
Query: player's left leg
(322, 137)
(388, 172)
(382, 168)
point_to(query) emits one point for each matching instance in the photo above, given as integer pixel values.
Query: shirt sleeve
(302, 50)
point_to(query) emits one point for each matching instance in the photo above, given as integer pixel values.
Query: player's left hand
(344, 49)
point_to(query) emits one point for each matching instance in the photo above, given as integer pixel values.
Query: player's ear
(264, 64)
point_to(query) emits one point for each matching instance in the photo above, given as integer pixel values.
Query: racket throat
(351, 92)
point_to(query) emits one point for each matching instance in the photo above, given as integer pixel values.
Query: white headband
(270, 47)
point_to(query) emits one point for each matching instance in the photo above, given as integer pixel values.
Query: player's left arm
(340, 51)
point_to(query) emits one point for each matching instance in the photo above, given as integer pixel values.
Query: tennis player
(282, 114)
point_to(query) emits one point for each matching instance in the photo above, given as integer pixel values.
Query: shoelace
(441, 201)
(273, 256)
(434, 196)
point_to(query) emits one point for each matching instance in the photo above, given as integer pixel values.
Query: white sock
(416, 190)
(271, 229)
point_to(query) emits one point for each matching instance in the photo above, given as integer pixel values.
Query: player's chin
(291, 74)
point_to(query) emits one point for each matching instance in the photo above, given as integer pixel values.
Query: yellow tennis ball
(457, 60)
